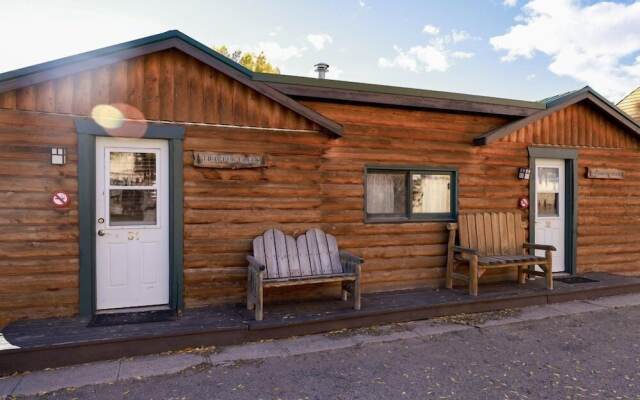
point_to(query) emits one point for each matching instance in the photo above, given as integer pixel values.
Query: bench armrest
(350, 261)
(468, 250)
(538, 246)
(255, 264)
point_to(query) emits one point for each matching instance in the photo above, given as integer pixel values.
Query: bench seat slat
(508, 259)
(312, 279)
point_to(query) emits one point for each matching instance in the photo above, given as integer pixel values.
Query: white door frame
(570, 158)
(551, 225)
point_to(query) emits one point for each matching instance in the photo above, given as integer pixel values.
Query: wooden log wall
(38, 244)
(314, 180)
(608, 209)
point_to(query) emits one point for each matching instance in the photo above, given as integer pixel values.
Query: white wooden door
(550, 208)
(132, 227)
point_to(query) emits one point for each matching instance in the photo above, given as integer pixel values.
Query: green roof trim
(397, 90)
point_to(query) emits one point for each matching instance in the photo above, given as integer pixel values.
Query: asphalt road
(594, 355)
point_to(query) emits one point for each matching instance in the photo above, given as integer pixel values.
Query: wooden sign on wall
(206, 159)
(604, 173)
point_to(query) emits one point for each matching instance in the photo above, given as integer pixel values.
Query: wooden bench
(494, 240)
(313, 257)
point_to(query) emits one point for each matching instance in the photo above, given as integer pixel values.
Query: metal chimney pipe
(321, 69)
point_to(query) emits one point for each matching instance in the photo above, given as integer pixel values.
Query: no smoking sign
(60, 199)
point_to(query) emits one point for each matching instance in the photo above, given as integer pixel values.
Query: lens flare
(107, 116)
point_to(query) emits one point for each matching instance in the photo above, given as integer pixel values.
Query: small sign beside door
(228, 160)
(604, 173)
(60, 199)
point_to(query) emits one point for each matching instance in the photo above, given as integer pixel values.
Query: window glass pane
(548, 188)
(132, 169)
(386, 193)
(132, 207)
(548, 205)
(548, 180)
(431, 193)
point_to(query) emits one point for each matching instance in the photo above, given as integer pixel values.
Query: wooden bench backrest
(312, 253)
(492, 233)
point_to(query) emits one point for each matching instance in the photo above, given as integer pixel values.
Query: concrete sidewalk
(45, 381)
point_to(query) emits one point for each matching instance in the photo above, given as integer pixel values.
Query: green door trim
(570, 157)
(87, 131)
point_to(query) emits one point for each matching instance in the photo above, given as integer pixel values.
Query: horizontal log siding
(38, 244)
(164, 86)
(609, 213)
(318, 181)
(314, 180)
(608, 209)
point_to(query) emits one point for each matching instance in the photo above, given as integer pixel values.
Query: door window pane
(386, 193)
(548, 205)
(132, 207)
(132, 169)
(548, 188)
(431, 193)
(548, 180)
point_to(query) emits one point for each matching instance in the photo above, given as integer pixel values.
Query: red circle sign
(523, 203)
(60, 199)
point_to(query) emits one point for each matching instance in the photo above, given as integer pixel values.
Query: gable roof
(171, 39)
(631, 104)
(555, 103)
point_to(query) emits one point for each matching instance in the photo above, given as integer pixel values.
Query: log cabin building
(138, 174)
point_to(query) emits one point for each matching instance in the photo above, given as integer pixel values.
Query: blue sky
(504, 48)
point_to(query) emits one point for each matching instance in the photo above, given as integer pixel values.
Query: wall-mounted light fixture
(58, 155)
(523, 173)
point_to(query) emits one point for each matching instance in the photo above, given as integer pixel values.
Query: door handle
(101, 232)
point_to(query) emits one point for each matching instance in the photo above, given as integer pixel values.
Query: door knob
(101, 232)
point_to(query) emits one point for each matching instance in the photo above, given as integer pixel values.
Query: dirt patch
(478, 318)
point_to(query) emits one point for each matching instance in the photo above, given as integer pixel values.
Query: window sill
(383, 220)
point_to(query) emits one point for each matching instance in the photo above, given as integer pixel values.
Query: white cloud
(431, 30)
(362, 3)
(530, 77)
(435, 55)
(459, 36)
(319, 40)
(509, 3)
(277, 53)
(276, 31)
(590, 43)
(462, 55)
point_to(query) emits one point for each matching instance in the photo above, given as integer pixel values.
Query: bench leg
(549, 272)
(356, 288)
(522, 275)
(250, 291)
(449, 277)
(259, 303)
(345, 291)
(473, 276)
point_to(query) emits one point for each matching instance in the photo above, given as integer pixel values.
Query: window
(133, 188)
(410, 194)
